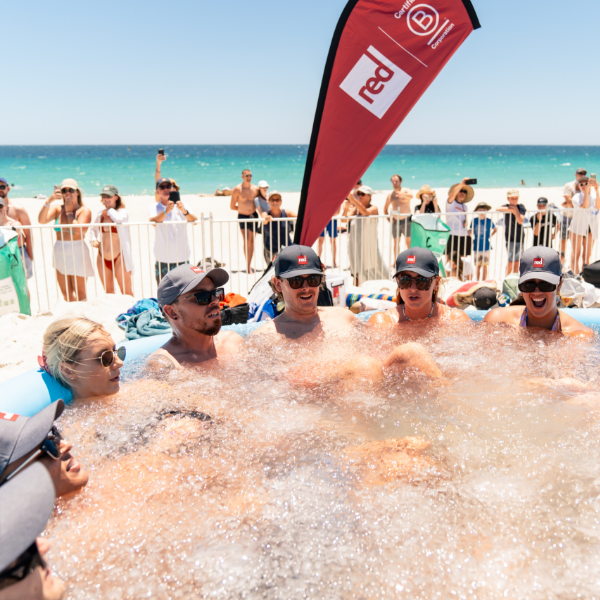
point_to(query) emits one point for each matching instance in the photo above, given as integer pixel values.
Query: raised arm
(160, 158)
(452, 196)
(47, 212)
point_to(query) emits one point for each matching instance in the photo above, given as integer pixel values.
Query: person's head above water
(417, 275)
(82, 356)
(27, 503)
(298, 276)
(26, 441)
(189, 298)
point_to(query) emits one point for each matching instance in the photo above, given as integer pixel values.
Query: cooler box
(337, 284)
(429, 231)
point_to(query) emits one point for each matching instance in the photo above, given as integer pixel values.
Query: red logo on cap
(302, 260)
(197, 269)
(411, 260)
(8, 417)
(538, 263)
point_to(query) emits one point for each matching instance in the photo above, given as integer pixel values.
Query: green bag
(429, 231)
(13, 281)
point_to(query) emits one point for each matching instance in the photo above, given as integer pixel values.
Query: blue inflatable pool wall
(29, 392)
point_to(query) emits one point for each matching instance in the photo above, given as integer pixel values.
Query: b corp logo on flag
(422, 19)
(375, 82)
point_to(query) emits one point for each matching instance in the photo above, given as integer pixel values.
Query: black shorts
(251, 226)
(458, 245)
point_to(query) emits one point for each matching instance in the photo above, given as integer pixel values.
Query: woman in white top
(459, 242)
(114, 259)
(584, 226)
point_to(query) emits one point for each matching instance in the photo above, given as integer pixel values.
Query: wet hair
(436, 293)
(64, 341)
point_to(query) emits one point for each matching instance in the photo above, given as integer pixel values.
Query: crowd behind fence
(366, 248)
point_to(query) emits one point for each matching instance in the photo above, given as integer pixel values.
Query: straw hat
(425, 190)
(470, 191)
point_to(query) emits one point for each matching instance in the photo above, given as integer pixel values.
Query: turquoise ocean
(202, 169)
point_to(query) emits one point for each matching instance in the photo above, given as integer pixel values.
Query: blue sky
(207, 72)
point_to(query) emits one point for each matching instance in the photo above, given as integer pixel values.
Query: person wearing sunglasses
(190, 300)
(418, 278)
(171, 245)
(584, 226)
(17, 214)
(81, 355)
(26, 441)
(71, 256)
(540, 280)
(26, 504)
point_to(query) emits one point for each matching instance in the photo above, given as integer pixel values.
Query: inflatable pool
(29, 392)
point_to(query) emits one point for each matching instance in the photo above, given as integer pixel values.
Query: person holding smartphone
(429, 203)
(171, 246)
(459, 243)
(584, 226)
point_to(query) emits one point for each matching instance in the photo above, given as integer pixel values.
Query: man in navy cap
(539, 283)
(26, 504)
(189, 298)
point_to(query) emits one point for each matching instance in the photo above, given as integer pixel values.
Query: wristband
(46, 205)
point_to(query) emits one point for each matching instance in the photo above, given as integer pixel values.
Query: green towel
(147, 323)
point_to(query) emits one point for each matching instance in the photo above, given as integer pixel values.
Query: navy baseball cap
(163, 180)
(185, 278)
(20, 435)
(297, 260)
(542, 263)
(542, 201)
(26, 504)
(3, 180)
(418, 260)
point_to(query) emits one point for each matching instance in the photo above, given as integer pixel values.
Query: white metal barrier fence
(364, 246)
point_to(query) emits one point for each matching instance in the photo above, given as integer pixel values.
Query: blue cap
(3, 180)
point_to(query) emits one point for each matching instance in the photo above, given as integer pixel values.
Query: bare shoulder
(571, 326)
(387, 318)
(268, 327)
(230, 342)
(510, 314)
(337, 314)
(456, 314)
(162, 361)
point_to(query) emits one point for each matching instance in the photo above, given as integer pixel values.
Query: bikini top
(111, 229)
(556, 327)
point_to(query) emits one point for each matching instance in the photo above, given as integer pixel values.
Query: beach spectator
(545, 223)
(18, 214)
(366, 262)
(459, 243)
(584, 226)
(276, 234)
(71, 257)
(114, 259)
(399, 201)
(8, 223)
(242, 201)
(160, 158)
(331, 229)
(261, 202)
(428, 199)
(513, 229)
(570, 188)
(171, 246)
(27, 503)
(566, 216)
(348, 207)
(483, 229)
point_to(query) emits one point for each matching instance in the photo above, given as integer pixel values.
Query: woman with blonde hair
(81, 355)
(71, 256)
(114, 259)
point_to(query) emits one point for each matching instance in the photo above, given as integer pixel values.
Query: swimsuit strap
(557, 327)
(523, 321)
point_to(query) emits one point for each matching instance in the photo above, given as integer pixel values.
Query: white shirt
(458, 223)
(119, 217)
(170, 241)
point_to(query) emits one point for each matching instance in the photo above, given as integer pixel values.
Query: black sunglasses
(26, 564)
(204, 297)
(360, 194)
(3, 187)
(50, 446)
(528, 287)
(67, 191)
(165, 186)
(297, 282)
(462, 192)
(405, 282)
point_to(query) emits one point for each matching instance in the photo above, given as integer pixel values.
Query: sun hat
(418, 260)
(185, 278)
(69, 183)
(20, 435)
(513, 193)
(297, 260)
(483, 205)
(26, 504)
(275, 193)
(109, 190)
(365, 189)
(542, 263)
(542, 201)
(263, 183)
(470, 191)
(425, 190)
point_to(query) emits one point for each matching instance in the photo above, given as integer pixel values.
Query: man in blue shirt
(482, 229)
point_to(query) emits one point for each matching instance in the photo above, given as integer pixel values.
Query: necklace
(427, 317)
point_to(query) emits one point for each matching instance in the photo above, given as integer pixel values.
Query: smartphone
(56, 188)
(161, 151)
(471, 182)
(174, 197)
(593, 176)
